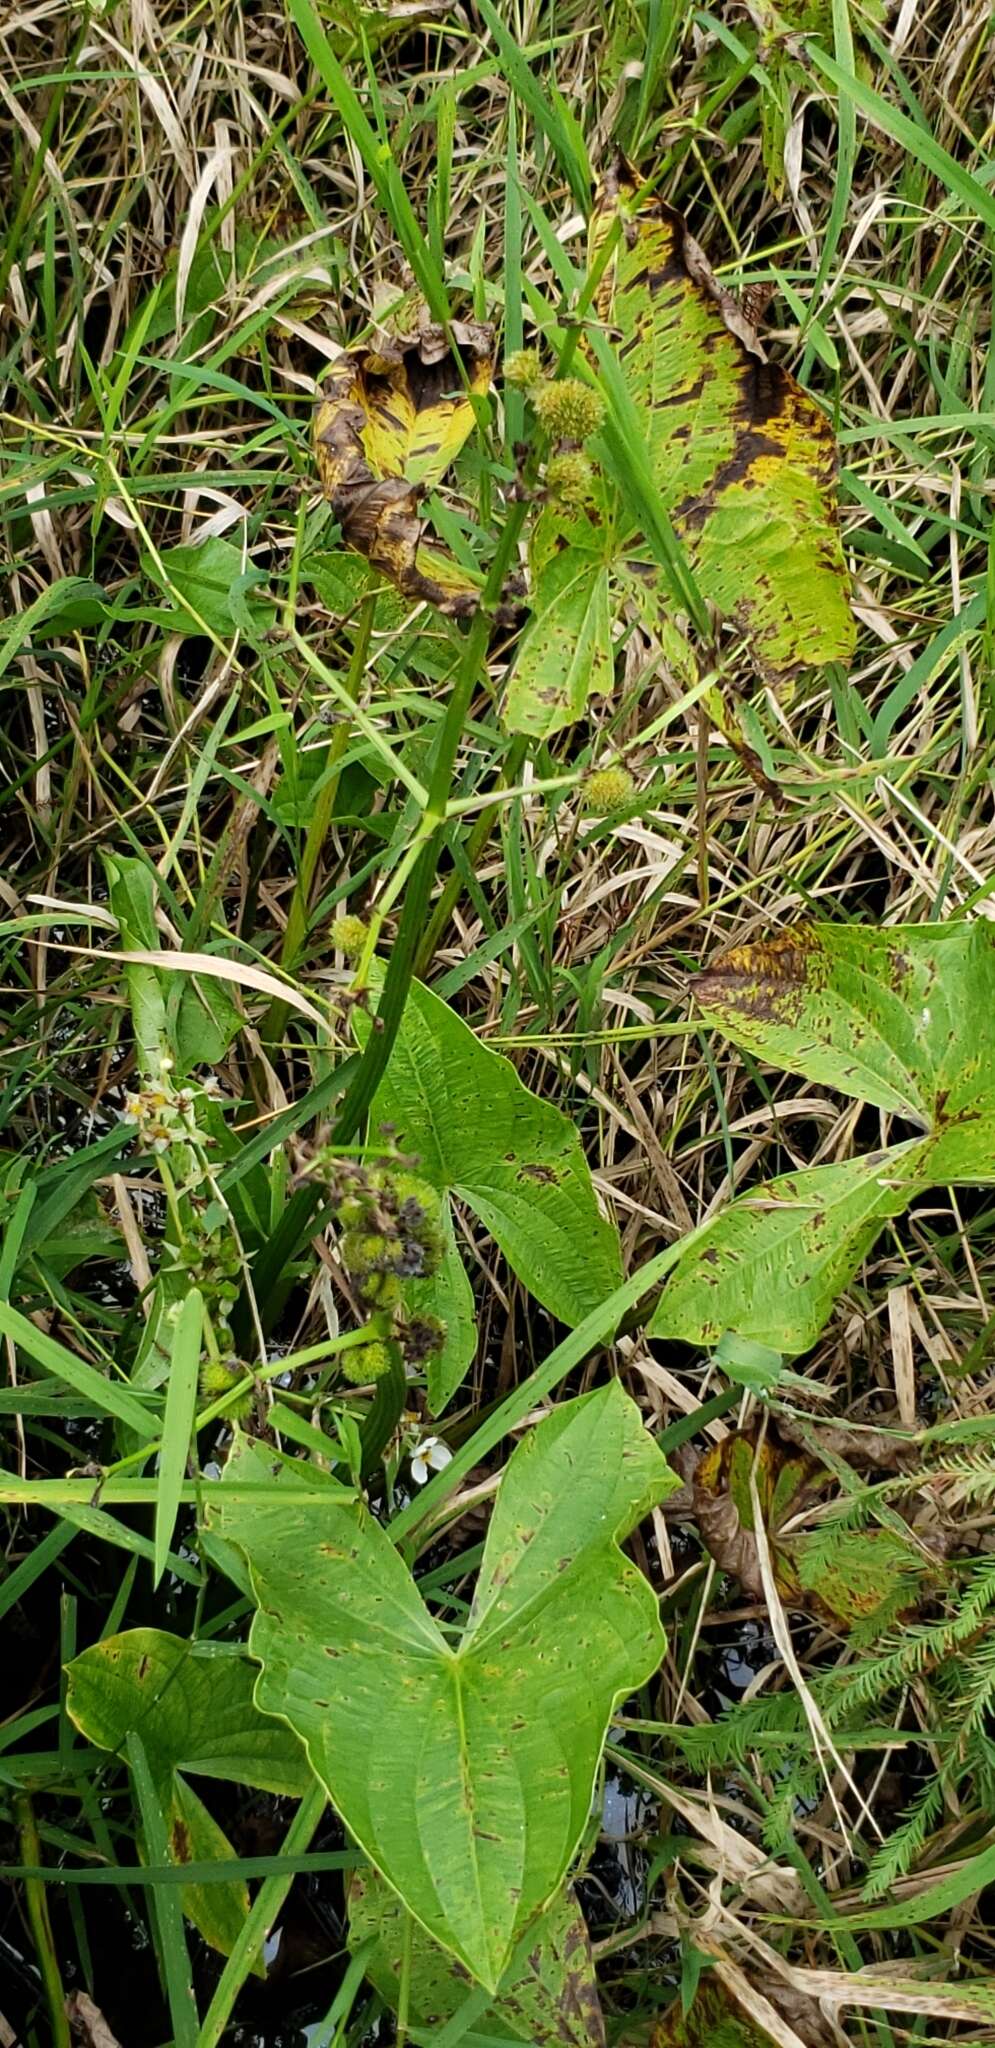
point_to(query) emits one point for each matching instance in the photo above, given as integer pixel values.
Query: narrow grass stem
(40, 1924)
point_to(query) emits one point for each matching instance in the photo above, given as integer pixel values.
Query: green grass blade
(381, 166)
(959, 182)
(561, 132)
(166, 1901)
(181, 1403)
(265, 1907)
(105, 1394)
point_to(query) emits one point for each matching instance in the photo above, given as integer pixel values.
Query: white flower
(430, 1452)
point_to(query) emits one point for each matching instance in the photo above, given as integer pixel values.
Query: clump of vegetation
(496, 1083)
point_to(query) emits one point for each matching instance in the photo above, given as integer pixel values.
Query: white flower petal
(438, 1454)
(419, 1469)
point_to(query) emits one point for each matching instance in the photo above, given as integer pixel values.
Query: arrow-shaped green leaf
(464, 1768)
(515, 1160)
(899, 1015)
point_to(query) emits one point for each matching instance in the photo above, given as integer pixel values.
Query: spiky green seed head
(364, 1252)
(607, 790)
(569, 477)
(350, 934)
(380, 1290)
(366, 1362)
(353, 1211)
(410, 1188)
(216, 1379)
(568, 409)
(523, 367)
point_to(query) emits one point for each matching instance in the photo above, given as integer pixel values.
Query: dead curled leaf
(391, 420)
(88, 2023)
(865, 1571)
(727, 2014)
(721, 1490)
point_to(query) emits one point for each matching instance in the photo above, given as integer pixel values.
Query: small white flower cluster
(164, 1114)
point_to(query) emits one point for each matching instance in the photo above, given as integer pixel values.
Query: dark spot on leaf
(179, 1837)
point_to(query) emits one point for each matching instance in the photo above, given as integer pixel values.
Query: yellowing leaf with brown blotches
(392, 419)
(743, 458)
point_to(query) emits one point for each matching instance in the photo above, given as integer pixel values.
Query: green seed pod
(381, 1290)
(568, 409)
(365, 1362)
(569, 478)
(607, 790)
(364, 1251)
(349, 934)
(409, 1187)
(523, 367)
(216, 1379)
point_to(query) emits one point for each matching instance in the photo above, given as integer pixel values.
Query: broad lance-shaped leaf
(195, 1715)
(743, 458)
(548, 1995)
(771, 1265)
(515, 1160)
(567, 656)
(901, 1015)
(464, 1769)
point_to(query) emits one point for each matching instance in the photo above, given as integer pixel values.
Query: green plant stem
(401, 965)
(275, 1022)
(40, 1924)
(262, 1913)
(317, 832)
(449, 897)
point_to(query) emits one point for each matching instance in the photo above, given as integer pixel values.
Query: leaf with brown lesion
(744, 459)
(859, 1575)
(548, 1996)
(391, 421)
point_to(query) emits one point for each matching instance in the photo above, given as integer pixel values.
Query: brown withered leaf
(390, 422)
(354, 25)
(724, 1511)
(859, 1574)
(88, 2023)
(715, 2019)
